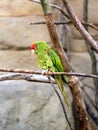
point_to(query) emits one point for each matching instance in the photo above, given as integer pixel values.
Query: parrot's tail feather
(61, 87)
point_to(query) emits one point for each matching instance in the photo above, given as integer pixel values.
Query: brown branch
(90, 51)
(62, 104)
(48, 73)
(73, 81)
(56, 23)
(92, 25)
(67, 22)
(54, 6)
(79, 26)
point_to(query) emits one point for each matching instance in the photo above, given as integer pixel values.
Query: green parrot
(48, 59)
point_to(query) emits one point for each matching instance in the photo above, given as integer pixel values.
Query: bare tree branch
(48, 73)
(76, 22)
(90, 51)
(28, 77)
(87, 95)
(91, 113)
(72, 81)
(67, 22)
(92, 25)
(56, 23)
(62, 104)
(54, 6)
(79, 26)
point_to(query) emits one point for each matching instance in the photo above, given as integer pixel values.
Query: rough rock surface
(17, 32)
(33, 106)
(28, 105)
(18, 8)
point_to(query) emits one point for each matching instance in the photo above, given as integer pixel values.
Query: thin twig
(88, 86)
(87, 95)
(56, 23)
(28, 77)
(92, 25)
(90, 51)
(65, 114)
(54, 6)
(67, 22)
(92, 115)
(49, 73)
(79, 26)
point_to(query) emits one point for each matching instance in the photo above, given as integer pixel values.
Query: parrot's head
(33, 47)
(39, 46)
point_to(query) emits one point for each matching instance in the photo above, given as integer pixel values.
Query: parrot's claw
(45, 72)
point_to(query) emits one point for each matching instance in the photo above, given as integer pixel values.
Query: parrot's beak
(32, 50)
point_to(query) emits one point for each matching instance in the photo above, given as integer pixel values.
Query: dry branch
(92, 115)
(79, 26)
(67, 22)
(90, 51)
(73, 81)
(28, 77)
(48, 73)
(87, 95)
(62, 104)
(54, 6)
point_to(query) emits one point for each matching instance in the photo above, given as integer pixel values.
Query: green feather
(48, 59)
(44, 60)
(56, 63)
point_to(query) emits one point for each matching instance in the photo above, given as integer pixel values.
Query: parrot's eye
(33, 46)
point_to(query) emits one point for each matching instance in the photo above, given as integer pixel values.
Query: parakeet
(48, 59)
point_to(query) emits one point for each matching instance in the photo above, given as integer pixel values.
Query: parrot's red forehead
(33, 46)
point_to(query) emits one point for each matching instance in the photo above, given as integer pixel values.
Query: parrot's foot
(45, 72)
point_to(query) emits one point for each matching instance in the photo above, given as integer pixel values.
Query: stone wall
(16, 31)
(29, 105)
(25, 105)
(18, 8)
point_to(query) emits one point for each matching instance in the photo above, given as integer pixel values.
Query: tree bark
(79, 26)
(72, 81)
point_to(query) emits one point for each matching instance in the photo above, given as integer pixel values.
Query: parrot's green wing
(58, 68)
(56, 62)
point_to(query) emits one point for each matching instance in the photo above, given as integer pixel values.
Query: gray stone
(21, 103)
(33, 106)
(18, 59)
(78, 45)
(20, 8)
(17, 32)
(28, 105)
